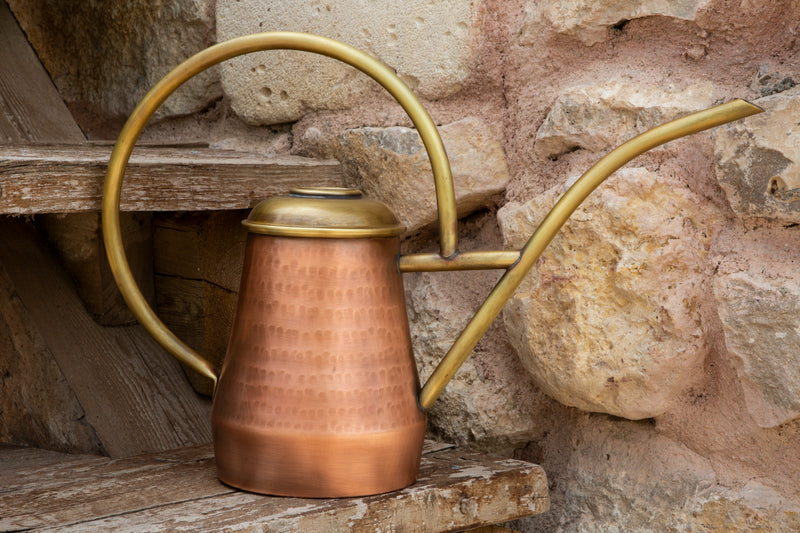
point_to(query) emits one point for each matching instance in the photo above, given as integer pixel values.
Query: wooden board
(30, 107)
(133, 394)
(69, 179)
(78, 239)
(198, 260)
(37, 405)
(178, 491)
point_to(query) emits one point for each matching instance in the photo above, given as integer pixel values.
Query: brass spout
(556, 218)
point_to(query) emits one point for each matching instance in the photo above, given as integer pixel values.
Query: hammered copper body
(318, 393)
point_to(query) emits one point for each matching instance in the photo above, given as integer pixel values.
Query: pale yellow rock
(609, 319)
(391, 165)
(431, 46)
(758, 161)
(600, 117)
(589, 20)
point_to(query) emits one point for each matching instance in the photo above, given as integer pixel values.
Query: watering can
(319, 394)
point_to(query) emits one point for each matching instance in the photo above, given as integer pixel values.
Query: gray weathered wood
(69, 179)
(37, 405)
(198, 260)
(78, 239)
(132, 392)
(178, 491)
(30, 107)
(32, 111)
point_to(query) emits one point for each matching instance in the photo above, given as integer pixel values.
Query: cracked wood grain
(178, 491)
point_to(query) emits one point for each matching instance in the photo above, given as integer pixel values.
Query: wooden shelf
(39, 178)
(178, 491)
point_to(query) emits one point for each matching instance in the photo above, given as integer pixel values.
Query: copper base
(318, 466)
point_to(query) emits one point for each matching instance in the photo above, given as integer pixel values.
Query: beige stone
(104, 56)
(626, 478)
(621, 476)
(758, 294)
(429, 44)
(490, 403)
(600, 117)
(590, 20)
(391, 164)
(758, 163)
(609, 319)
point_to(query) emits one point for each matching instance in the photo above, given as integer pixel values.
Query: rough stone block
(758, 160)
(600, 117)
(754, 507)
(104, 56)
(609, 320)
(391, 164)
(589, 20)
(490, 403)
(621, 476)
(760, 310)
(431, 45)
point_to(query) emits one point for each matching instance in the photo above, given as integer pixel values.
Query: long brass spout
(556, 218)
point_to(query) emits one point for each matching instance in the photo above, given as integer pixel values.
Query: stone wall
(651, 360)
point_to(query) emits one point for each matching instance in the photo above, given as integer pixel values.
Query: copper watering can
(319, 394)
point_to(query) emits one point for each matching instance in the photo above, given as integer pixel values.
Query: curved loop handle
(112, 235)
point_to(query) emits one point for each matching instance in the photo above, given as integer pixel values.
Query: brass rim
(329, 233)
(326, 192)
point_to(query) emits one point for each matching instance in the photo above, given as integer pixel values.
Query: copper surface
(317, 396)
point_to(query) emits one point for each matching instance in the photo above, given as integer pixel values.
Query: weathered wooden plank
(68, 179)
(78, 239)
(21, 464)
(31, 111)
(134, 394)
(198, 261)
(37, 405)
(178, 491)
(30, 107)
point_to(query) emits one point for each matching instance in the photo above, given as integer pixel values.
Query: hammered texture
(320, 353)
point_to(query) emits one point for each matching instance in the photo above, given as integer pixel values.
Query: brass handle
(112, 235)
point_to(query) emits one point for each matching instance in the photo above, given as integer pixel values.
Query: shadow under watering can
(319, 394)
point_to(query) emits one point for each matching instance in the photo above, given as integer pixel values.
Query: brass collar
(327, 212)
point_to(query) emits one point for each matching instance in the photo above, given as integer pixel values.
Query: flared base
(318, 466)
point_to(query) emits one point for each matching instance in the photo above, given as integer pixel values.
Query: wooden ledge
(69, 178)
(178, 490)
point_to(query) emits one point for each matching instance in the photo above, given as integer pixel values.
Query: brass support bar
(556, 218)
(482, 260)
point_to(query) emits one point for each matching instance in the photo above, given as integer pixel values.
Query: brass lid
(332, 212)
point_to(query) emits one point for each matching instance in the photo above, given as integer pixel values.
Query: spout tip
(748, 108)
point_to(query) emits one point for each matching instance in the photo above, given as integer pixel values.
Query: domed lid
(332, 212)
